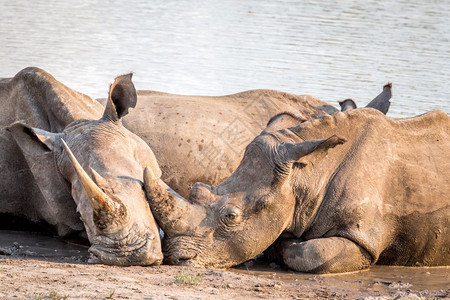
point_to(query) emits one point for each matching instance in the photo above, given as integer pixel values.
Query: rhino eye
(231, 216)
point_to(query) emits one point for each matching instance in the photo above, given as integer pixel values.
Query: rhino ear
(283, 120)
(52, 198)
(122, 96)
(382, 102)
(347, 104)
(48, 140)
(300, 152)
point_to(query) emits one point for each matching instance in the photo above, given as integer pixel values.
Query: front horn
(97, 198)
(172, 212)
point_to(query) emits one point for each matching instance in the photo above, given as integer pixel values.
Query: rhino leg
(324, 255)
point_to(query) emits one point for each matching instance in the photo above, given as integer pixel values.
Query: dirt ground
(34, 266)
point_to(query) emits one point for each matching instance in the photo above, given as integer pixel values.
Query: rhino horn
(97, 198)
(173, 213)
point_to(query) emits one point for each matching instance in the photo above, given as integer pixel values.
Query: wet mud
(21, 244)
(377, 280)
(36, 265)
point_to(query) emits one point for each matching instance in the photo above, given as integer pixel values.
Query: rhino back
(39, 100)
(202, 138)
(390, 174)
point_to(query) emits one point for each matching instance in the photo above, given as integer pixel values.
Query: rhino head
(224, 225)
(103, 164)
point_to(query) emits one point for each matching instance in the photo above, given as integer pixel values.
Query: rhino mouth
(193, 252)
(143, 254)
(182, 258)
(180, 251)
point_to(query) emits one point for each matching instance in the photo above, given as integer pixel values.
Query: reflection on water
(330, 49)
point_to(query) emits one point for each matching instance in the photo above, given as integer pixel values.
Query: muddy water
(377, 279)
(40, 246)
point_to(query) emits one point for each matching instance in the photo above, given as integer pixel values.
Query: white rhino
(43, 181)
(339, 193)
(203, 138)
(194, 137)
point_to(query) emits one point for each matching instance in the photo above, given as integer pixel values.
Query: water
(330, 49)
(33, 245)
(377, 278)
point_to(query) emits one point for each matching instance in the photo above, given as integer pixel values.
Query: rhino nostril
(93, 259)
(185, 262)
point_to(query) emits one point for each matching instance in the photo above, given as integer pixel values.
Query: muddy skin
(74, 167)
(345, 189)
(203, 138)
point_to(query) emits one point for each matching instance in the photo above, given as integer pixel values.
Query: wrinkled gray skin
(40, 182)
(208, 139)
(340, 193)
(203, 138)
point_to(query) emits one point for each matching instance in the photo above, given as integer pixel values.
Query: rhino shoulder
(429, 120)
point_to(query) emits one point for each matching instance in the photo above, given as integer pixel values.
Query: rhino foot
(324, 255)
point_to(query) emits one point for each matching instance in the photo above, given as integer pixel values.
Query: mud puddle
(38, 245)
(376, 280)
(24, 255)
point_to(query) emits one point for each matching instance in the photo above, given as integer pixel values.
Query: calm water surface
(330, 49)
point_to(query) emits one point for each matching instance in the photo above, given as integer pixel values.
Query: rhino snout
(182, 258)
(149, 254)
